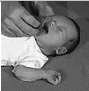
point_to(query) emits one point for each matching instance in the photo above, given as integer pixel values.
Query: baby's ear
(61, 51)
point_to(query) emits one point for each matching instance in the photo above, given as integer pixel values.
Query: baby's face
(56, 35)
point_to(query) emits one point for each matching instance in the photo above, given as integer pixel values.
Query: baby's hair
(73, 43)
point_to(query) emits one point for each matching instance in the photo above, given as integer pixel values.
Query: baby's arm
(31, 74)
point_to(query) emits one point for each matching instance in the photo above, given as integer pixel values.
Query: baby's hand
(53, 77)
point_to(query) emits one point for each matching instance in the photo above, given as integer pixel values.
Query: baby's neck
(46, 51)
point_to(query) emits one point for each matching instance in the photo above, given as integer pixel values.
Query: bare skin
(31, 74)
(16, 23)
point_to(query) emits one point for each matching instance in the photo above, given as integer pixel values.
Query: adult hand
(19, 22)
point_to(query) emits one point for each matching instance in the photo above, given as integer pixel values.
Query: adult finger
(30, 19)
(26, 28)
(27, 17)
(7, 32)
(13, 28)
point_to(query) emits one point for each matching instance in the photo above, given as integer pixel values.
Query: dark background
(73, 67)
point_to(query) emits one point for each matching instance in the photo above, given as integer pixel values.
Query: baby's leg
(31, 74)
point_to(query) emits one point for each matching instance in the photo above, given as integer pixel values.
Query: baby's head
(59, 35)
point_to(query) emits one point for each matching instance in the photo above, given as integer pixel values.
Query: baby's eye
(60, 29)
(53, 24)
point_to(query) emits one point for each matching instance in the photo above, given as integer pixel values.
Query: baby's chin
(46, 52)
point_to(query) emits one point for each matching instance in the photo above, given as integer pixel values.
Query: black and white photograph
(44, 45)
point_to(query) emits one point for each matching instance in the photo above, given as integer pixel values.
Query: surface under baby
(58, 35)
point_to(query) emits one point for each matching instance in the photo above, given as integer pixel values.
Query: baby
(58, 35)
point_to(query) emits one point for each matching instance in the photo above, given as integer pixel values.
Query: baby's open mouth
(45, 28)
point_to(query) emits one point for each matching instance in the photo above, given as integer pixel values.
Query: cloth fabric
(21, 51)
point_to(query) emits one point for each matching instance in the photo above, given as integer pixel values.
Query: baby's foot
(53, 77)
